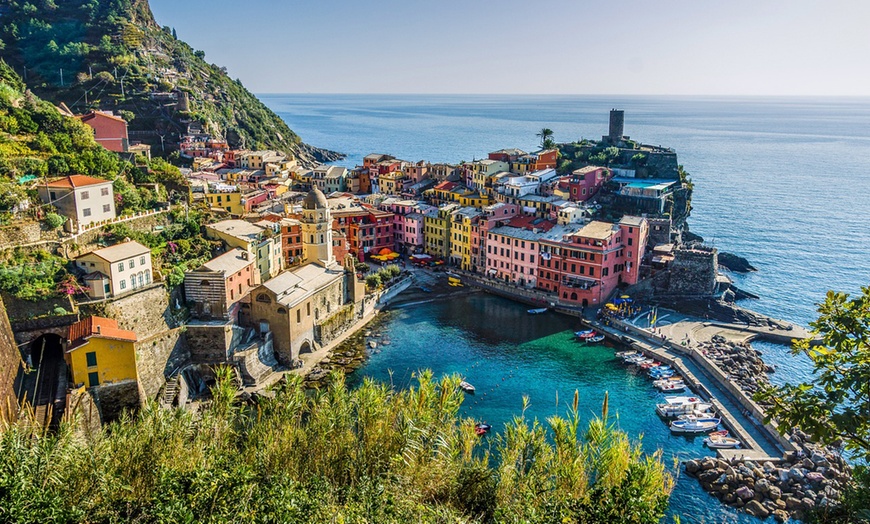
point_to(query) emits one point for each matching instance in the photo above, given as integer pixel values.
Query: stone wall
(10, 363)
(160, 357)
(211, 342)
(26, 233)
(112, 399)
(693, 272)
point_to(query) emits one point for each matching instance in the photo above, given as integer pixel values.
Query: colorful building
(513, 253)
(110, 131)
(117, 269)
(99, 352)
(216, 286)
(461, 222)
(436, 231)
(82, 199)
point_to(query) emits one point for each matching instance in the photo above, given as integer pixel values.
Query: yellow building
(98, 352)
(392, 183)
(231, 201)
(473, 200)
(460, 236)
(436, 231)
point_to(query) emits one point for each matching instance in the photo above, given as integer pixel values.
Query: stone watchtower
(317, 228)
(617, 126)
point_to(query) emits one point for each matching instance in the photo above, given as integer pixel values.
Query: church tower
(317, 228)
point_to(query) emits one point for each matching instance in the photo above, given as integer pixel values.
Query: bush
(373, 281)
(54, 221)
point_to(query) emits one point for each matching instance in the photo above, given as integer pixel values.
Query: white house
(82, 199)
(116, 269)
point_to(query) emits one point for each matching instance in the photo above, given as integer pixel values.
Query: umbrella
(385, 251)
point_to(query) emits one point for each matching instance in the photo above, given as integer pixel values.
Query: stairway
(170, 391)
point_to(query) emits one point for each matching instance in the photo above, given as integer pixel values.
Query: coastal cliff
(112, 55)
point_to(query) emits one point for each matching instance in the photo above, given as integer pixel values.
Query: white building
(116, 269)
(82, 199)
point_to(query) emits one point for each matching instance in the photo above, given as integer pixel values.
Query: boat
(466, 387)
(673, 387)
(720, 433)
(537, 311)
(596, 339)
(720, 442)
(661, 372)
(589, 333)
(667, 380)
(676, 406)
(696, 415)
(627, 354)
(682, 399)
(482, 428)
(703, 425)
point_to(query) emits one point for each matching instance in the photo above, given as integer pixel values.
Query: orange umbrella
(385, 251)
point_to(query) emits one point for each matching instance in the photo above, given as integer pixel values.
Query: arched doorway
(305, 348)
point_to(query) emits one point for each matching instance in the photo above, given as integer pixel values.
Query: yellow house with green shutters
(99, 352)
(460, 236)
(436, 231)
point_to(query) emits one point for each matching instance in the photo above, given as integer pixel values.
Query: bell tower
(317, 228)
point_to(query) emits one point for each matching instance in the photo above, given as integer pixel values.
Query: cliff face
(10, 361)
(112, 55)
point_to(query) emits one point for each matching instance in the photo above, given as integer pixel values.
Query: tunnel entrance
(44, 385)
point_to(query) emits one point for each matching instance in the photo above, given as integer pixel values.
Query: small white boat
(667, 380)
(704, 425)
(720, 442)
(537, 311)
(697, 415)
(596, 339)
(675, 410)
(680, 399)
(466, 387)
(672, 387)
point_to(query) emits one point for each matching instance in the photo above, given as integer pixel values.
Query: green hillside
(112, 55)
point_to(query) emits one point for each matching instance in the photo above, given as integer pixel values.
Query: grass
(371, 454)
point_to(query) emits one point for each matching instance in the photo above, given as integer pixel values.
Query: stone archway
(305, 348)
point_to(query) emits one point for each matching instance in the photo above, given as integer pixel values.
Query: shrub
(373, 281)
(54, 221)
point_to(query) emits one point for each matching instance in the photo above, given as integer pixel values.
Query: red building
(110, 131)
(367, 230)
(584, 183)
(584, 268)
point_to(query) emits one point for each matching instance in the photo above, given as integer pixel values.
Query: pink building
(412, 234)
(513, 253)
(493, 216)
(584, 183)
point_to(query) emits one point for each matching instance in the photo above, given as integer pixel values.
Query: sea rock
(815, 477)
(708, 463)
(768, 467)
(744, 493)
(780, 515)
(756, 509)
(796, 474)
(692, 467)
(762, 485)
(774, 493)
(807, 503)
(792, 504)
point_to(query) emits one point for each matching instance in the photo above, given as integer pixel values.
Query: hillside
(112, 55)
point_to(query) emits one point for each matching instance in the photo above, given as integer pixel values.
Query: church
(293, 307)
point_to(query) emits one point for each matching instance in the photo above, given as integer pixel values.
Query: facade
(585, 182)
(316, 228)
(436, 231)
(367, 230)
(291, 242)
(110, 131)
(262, 239)
(513, 253)
(98, 352)
(461, 224)
(216, 286)
(117, 269)
(585, 267)
(82, 199)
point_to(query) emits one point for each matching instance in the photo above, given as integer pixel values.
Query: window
(86, 212)
(91, 359)
(52, 195)
(132, 263)
(308, 309)
(133, 281)
(141, 279)
(104, 191)
(591, 271)
(86, 195)
(147, 277)
(629, 241)
(106, 289)
(123, 284)
(106, 208)
(93, 379)
(120, 266)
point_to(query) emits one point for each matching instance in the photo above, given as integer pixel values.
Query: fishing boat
(589, 333)
(676, 406)
(697, 415)
(672, 387)
(627, 354)
(666, 380)
(596, 339)
(466, 387)
(537, 311)
(719, 442)
(703, 425)
(661, 372)
(482, 428)
(650, 365)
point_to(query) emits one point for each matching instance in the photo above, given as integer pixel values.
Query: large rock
(756, 509)
(744, 493)
(708, 463)
(796, 474)
(774, 493)
(792, 504)
(780, 515)
(807, 503)
(692, 467)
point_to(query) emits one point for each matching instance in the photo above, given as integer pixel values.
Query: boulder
(774, 493)
(768, 467)
(815, 477)
(744, 493)
(756, 509)
(692, 467)
(780, 515)
(796, 474)
(708, 463)
(792, 504)
(762, 485)
(807, 464)
(807, 503)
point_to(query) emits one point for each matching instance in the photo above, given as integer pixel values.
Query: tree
(835, 406)
(546, 134)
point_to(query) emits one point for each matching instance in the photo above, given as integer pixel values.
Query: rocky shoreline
(803, 481)
(743, 365)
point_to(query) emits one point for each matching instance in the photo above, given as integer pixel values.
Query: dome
(315, 199)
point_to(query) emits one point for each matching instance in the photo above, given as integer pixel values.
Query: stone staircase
(170, 391)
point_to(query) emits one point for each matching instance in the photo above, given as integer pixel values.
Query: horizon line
(596, 95)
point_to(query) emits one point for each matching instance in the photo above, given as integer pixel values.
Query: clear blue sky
(676, 47)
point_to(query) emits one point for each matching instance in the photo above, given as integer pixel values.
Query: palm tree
(545, 135)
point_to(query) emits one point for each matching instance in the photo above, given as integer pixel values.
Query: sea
(783, 182)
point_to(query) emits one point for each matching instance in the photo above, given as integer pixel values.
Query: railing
(117, 220)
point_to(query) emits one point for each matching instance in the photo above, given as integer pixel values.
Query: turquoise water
(507, 354)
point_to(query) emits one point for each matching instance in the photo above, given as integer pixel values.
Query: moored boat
(482, 428)
(703, 425)
(672, 387)
(720, 442)
(537, 311)
(466, 387)
(596, 339)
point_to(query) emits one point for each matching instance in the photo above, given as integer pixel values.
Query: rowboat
(650, 365)
(667, 380)
(672, 387)
(466, 387)
(703, 425)
(589, 333)
(596, 339)
(537, 311)
(720, 442)
(482, 428)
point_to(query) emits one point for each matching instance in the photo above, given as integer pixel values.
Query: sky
(654, 47)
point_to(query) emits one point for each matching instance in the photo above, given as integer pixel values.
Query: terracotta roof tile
(73, 181)
(81, 331)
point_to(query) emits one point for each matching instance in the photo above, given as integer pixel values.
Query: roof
(596, 229)
(586, 169)
(446, 186)
(555, 233)
(230, 262)
(81, 331)
(74, 181)
(315, 199)
(530, 222)
(237, 228)
(121, 251)
(94, 114)
(632, 221)
(291, 287)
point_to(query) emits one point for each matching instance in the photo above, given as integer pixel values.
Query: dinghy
(720, 442)
(703, 425)
(466, 387)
